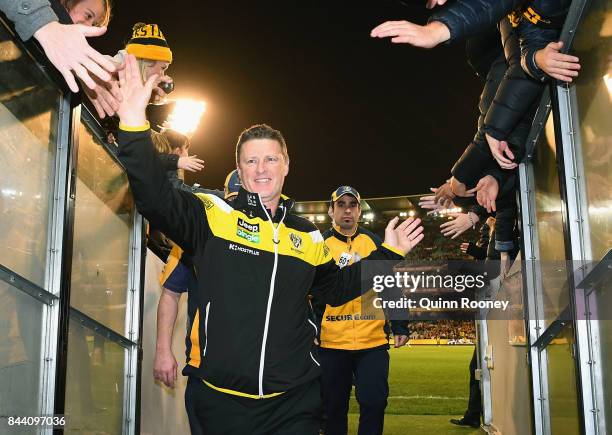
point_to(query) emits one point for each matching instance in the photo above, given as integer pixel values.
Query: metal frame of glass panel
(580, 251)
(70, 133)
(533, 301)
(53, 278)
(133, 323)
(587, 330)
(482, 339)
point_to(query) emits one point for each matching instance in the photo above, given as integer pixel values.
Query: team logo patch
(344, 260)
(247, 231)
(208, 204)
(325, 251)
(296, 240)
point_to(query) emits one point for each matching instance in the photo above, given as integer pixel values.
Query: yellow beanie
(148, 42)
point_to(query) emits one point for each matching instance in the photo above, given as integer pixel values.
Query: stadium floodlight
(411, 213)
(403, 214)
(311, 218)
(186, 116)
(368, 216)
(320, 218)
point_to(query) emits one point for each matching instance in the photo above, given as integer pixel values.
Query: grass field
(428, 386)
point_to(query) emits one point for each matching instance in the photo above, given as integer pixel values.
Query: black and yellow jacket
(251, 335)
(355, 325)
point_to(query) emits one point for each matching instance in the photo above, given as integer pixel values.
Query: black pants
(370, 369)
(211, 412)
(475, 401)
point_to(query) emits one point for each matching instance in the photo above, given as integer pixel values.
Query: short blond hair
(261, 131)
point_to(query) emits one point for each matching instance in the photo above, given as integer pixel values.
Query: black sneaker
(464, 422)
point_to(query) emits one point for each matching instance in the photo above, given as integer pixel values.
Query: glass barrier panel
(103, 221)
(20, 354)
(94, 382)
(549, 223)
(563, 399)
(29, 106)
(593, 45)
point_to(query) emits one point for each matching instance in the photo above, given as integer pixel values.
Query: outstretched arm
(336, 286)
(178, 214)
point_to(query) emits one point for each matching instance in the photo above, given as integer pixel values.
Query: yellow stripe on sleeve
(133, 129)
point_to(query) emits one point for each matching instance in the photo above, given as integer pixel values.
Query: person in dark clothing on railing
(534, 25)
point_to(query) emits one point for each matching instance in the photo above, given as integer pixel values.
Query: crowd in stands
(443, 329)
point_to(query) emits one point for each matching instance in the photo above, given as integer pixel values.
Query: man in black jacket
(251, 367)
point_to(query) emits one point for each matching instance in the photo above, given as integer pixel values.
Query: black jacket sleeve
(178, 214)
(400, 327)
(480, 211)
(516, 94)
(336, 286)
(477, 252)
(466, 18)
(169, 161)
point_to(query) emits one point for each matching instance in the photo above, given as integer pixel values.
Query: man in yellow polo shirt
(354, 337)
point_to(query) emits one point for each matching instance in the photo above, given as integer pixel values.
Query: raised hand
(105, 97)
(458, 188)
(443, 195)
(405, 32)
(190, 163)
(486, 192)
(404, 236)
(429, 203)
(67, 49)
(557, 65)
(501, 152)
(135, 95)
(459, 225)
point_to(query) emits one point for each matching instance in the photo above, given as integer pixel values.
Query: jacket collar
(251, 204)
(338, 235)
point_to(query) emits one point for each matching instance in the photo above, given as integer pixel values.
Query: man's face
(346, 212)
(262, 168)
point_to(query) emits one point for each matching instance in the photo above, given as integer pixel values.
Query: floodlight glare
(186, 116)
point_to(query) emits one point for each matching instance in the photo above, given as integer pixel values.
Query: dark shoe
(464, 422)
